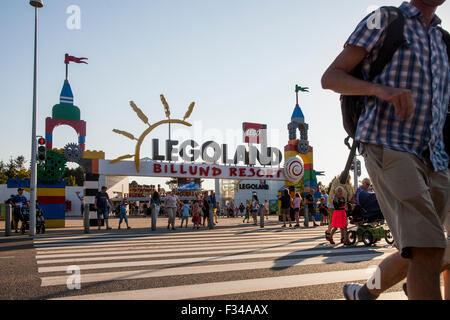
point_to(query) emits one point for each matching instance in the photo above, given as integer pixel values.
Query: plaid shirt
(420, 65)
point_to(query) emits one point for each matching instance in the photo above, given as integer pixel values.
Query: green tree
(14, 168)
(77, 174)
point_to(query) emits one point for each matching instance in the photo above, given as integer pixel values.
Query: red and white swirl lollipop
(294, 169)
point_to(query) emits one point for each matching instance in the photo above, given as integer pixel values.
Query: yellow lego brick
(290, 154)
(51, 192)
(93, 154)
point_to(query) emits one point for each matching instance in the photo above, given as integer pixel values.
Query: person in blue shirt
(18, 202)
(101, 204)
(123, 214)
(185, 214)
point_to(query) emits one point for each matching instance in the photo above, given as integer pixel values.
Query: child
(123, 214)
(339, 219)
(323, 209)
(40, 221)
(266, 209)
(185, 214)
(196, 215)
(247, 214)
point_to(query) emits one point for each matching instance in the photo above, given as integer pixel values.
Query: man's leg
(391, 271)
(424, 274)
(99, 216)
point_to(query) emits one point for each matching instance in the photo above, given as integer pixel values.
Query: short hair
(104, 187)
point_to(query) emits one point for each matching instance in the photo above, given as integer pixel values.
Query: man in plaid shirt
(400, 131)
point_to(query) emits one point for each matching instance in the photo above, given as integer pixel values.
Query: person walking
(347, 192)
(309, 199)
(255, 208)
(185, 214)
(123, 214)
(101, 204)
(155, 205)
(247, 214)
(325, 195)
(18, 203)
(296, 203)
(241, 210)
(266, 209)
(323, 209)
(286, 207)
(170, 204)
(196, 216)
(339, 217)
(400, 132)
(206, 207)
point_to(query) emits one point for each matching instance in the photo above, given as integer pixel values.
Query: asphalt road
(235, 261)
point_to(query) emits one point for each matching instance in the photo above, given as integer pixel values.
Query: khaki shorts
(413, 198)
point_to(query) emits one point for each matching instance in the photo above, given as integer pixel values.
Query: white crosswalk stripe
(271, 259)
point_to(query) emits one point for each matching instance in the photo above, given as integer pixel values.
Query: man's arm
(338, 78)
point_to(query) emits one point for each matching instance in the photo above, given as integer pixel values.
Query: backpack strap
(393, 41)
(446, 38)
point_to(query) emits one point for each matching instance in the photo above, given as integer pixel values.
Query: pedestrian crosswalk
(196, 264)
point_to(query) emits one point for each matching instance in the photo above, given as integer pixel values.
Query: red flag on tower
(69, 59)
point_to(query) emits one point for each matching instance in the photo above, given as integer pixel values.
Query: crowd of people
(169, 202)
(293, 206)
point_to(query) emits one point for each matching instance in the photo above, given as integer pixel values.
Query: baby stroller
(25, 217)
(368, 218)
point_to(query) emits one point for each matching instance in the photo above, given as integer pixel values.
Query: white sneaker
(351, 291)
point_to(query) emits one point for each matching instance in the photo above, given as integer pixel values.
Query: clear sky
(238, 60)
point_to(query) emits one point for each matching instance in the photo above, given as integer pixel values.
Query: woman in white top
(255, 207)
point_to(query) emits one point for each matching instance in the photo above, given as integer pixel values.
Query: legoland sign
(183, 170)
(217, 160)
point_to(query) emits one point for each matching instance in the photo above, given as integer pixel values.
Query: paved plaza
(235, 261)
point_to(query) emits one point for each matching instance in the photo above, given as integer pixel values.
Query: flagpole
(67, 71)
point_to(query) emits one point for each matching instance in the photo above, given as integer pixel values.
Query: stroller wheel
(388, 237)
(367, 238)
(351, 236)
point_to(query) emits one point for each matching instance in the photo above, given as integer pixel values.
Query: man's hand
(401, 99)
(338, 78)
